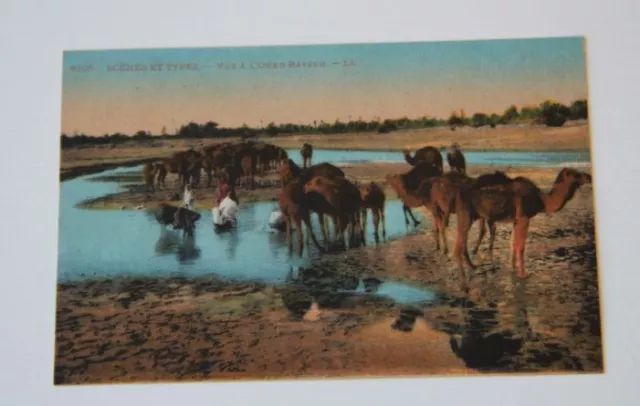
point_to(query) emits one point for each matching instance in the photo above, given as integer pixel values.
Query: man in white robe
(226, 214)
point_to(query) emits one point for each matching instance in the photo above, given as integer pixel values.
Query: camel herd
(235, 161)
(491, 198)
(324, 190)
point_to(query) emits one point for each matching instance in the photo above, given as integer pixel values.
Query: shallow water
(104, 244)
(501, 158)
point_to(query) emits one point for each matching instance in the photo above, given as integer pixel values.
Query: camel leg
(405, 209)
(519, 240)
(443, 235)
(436, 232)
(340, 229)
(460, 251)
(289, 235)
(363, 223)
(406, 219)
(323, 229)
(481, 234)
(376, 224)
(383, 221)
(492, 237)
(356, 217)
(300, 231)
(307, 221)
(416, 223)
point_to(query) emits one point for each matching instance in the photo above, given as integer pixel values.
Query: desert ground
(184, 329)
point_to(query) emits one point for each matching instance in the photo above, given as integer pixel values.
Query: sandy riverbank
(176, 329)
(573, 136)
(128, 330)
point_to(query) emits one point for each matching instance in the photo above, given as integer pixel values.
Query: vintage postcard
(355, 210)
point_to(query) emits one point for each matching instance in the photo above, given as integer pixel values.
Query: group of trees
(549, 113)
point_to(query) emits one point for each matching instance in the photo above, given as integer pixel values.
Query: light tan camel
(518, 202)
(407, 184)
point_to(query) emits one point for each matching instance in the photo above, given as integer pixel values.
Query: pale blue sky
(388, 80)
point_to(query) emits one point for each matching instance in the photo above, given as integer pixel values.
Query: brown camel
(247, 164)
(518, 202)
(439, 195)
(407, 184)
(456, 160)
(307, 153)
(220, 159)
(294, 207)
(429, 155)
(206, 162)
(373, 198)
(324, 169)
(345, 202)
(289, 170)
(193, 170)
(149, 174)
(161, 169)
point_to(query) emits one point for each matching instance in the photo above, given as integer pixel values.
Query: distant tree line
(549, 113)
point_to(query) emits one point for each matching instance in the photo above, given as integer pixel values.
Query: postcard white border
(32, 37)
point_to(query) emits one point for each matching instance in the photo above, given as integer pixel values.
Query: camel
(206, 162)
(161, 170)
(456, 160)
(149, 173)
(518, 202)
(294, 207)
(408, 183)
(345, 202)
(289, 171)
(439, 196)
(220, 159)
(193, 170)
(324, 169)
(307, 153)
(247, 164)
(373, 198)
(429, 155)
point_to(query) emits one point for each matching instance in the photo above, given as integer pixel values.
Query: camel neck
(407, 157)
(559, 195)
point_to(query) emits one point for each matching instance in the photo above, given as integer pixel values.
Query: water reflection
(171, 242)
(329, 289)
(483, 345)
(188, 251)
(276, 241)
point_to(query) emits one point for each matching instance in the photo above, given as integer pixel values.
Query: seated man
(226, 213)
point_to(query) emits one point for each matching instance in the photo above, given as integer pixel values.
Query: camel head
(316, 184)
(572, 177)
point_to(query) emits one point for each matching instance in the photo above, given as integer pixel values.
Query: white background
(34, 34)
